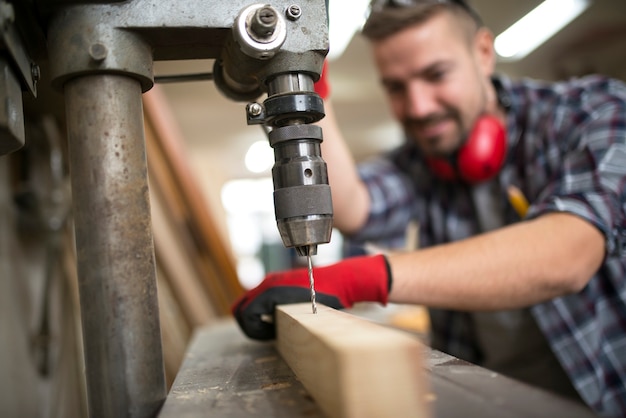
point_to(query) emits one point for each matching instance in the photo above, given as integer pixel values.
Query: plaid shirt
(567, 153)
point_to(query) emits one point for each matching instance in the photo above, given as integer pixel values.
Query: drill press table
(226, 375)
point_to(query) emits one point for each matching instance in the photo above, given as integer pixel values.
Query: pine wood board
(353, 367)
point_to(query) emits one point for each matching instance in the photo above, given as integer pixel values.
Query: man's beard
(432, 145)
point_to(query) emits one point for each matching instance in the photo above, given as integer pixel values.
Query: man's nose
(420, 101)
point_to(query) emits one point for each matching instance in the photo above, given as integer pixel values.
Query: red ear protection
(479, 158)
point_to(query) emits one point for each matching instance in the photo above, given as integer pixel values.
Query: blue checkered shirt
(567, 153)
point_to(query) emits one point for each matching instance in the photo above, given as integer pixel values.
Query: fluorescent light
(345, 19)
(537, 26)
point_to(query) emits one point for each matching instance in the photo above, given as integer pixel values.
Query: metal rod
(116, 265)
(180, 78)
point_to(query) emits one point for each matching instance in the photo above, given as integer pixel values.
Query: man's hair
(387, 20)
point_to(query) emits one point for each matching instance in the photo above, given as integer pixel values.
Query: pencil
(518, 200)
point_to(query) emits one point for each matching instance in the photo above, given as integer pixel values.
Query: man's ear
(485, 53)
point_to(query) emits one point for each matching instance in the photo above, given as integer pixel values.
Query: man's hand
(339, 286)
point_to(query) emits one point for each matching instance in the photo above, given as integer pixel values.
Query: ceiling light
(537, 26)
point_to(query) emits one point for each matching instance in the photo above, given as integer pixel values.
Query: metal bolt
(35, 72)
(267, 16)
(264, 22)
(255, 109)
(98, 52)
(294, 12)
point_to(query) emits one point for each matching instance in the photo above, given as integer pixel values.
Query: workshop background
(221, 147)
(212, 200)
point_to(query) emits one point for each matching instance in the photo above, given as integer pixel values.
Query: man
(540, 297)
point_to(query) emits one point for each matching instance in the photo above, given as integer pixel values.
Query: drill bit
(311, 281)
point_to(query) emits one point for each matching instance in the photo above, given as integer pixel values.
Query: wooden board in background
(185, 205)
(197, 280)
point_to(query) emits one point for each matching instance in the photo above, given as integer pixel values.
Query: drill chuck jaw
(302, 198)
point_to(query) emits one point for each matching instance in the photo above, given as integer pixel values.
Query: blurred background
(233, 160)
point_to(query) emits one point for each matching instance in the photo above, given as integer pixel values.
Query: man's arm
(351, 201)
(516, 266)
(512, 267)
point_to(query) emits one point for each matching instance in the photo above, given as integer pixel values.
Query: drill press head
(259, 58)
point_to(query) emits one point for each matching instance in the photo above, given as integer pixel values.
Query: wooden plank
(175, 332)
(175, 261)
(353, 367)
(167, 194)
(168, 140)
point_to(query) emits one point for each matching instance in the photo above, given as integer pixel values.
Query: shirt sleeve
(392, 196)
(592, 181)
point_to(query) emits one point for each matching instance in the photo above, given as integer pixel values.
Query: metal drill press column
(102, 72)
(116, 266)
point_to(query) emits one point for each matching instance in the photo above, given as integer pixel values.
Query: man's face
(436, 80)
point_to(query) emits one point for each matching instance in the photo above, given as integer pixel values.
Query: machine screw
(255, 109)
(35, 72)
(98, 52)
(294, 12)
(264, 22)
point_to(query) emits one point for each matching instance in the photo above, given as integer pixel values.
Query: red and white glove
(356, 279)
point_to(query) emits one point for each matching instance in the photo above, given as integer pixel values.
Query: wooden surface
(226, 375)
(352, 367)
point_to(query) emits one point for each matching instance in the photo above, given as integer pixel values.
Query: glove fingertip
(258, 330)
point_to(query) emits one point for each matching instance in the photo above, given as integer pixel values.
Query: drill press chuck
(302, 199)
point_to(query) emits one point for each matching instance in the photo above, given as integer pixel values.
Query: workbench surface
(226, 375)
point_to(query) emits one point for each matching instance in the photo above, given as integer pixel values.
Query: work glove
(356, 279)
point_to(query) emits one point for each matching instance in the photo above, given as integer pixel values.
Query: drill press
(253, 63)
(99, 54)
